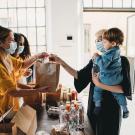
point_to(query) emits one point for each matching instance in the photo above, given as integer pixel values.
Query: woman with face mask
(23, 49)
(8, 68)
(109, 120)
(22, 53)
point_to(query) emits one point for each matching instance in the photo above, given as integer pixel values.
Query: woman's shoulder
(124, 61)
(124, 58)
(125, 64)
(126, 83)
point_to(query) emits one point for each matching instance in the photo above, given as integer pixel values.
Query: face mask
(100, 47)
(12, 48)
(20, 50)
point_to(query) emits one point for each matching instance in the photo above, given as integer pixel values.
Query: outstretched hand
(43, 89)
(55, 58)
(42, 55)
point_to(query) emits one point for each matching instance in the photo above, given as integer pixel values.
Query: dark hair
(4, 33)
(26, 52)
(114, 35)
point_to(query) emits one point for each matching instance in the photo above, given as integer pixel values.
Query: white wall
(99, 20)
(131, 35)
(64, 18)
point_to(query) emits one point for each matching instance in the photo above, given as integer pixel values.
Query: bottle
(76, 105)
(73, 121)
(69, 95)
(74, 95)
(62, 114)
(68, 106)
(64, 95)
(59, 88)
(80, 116)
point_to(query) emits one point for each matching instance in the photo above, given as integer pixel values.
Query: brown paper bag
(47, 74)
(34, 101)
(25, 121)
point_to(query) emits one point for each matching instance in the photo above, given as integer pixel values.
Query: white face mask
(12, 48)
(20, 50)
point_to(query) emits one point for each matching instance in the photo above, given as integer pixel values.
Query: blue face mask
(100, 47)
(12, 48)
(20, 50)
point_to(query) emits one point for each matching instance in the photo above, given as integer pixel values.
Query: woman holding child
(104, 116)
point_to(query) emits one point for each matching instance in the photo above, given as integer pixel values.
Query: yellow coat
(7, 83)
(19, 73)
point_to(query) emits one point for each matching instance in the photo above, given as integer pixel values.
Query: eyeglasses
(98, 40)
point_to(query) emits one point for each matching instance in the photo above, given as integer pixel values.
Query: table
(45, 123)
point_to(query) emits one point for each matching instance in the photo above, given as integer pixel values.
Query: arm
(116, 88)
(27, 92)
(68, 68)
(23, 86)
(81, 78)
(29, 62)
(8, 85)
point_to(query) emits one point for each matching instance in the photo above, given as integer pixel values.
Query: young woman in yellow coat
(8, 68)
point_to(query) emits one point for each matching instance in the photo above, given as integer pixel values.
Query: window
(27, 17)
(133, 3)
(109, 3)
(97, 3)
(117, 3)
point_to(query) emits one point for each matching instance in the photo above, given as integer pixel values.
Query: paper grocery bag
(26, 121)
(47, 74)
(34, 101)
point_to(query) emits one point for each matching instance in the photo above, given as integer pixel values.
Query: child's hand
(95, 55)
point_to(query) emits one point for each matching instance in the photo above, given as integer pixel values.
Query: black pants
(109, 120)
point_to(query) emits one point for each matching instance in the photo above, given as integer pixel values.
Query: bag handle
(5, 114)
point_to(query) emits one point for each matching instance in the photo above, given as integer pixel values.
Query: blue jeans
(97, 98)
